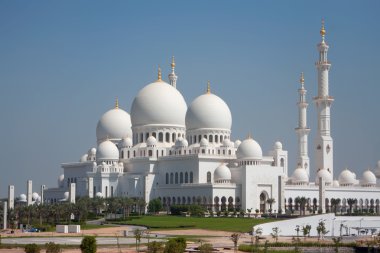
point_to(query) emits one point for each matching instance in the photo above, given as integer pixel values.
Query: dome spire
(302, 80)
(172, 76)
(173, 63)
(323, 31)
(159, 74)
(208, 91)
(249, 135)
(117, 103)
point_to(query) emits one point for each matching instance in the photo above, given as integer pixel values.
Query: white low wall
(61, 229)
(74, 229)
(336, 225)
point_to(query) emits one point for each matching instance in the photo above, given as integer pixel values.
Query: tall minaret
(323, 140)
(172, 76)
(302, 130)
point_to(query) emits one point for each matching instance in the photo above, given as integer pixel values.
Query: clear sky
(62, 63)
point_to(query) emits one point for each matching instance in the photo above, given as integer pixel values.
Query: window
(191, 177)
(167, 178)
(167, 137)
(176, 177)
(209, 177)
(122, 154)
(161, 137)
(150, 153)
(186, 178)
(171, 178)
(111, 191)
(181, 177)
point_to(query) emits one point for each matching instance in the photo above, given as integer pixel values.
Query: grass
(177, 222)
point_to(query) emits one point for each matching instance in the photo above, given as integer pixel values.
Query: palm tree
(335, 203)
(302, 202)
(270, 201)
(126, 204)
(350, 203)
(141, 205)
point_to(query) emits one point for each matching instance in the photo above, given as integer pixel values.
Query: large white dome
(249, 149)
(114, 125)
(107, 150)
(369, 178)
(222, 173)
(208, 111)
(158, 103)
(346, 177)
(300, 176)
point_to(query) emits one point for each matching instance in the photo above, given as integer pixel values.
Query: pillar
(29, 192)
(11, 196)
(90, 187)
(72, 193)
(322, 203)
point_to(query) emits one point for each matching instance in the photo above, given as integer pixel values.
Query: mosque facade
(184, 155)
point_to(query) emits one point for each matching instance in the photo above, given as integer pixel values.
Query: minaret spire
(323, 102)
(302, 130)
(172, 76)
(159, 74)
(208, 91)
(117, 103)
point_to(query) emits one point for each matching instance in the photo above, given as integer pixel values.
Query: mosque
(184, 155)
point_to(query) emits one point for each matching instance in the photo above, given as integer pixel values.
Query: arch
(181, 178)
(263, 201)
(179, 200)
(167, 137)
(186, 177)
(183, 200)
(188, 200)
(210, 138)
(191, 177)
(161, 137)
(176, 178)
(208, 177)
(282, 162)
(173, 137)
(230, 203)
(223, 204)
(171, 178)
(216, 138)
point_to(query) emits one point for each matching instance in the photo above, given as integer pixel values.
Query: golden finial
(302, 79)
(159, 74)
(173, 63)
(249, 135)
(323, 31)
(208, 88)
(117, 103)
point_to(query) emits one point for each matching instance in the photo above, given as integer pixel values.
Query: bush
(88, 244)
(175, 245)
(155, 247)
(32, 248)
(205, 248)
(195, 210)
(154, 206)
(51, 247)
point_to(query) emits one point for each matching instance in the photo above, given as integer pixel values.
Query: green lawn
(177, 222)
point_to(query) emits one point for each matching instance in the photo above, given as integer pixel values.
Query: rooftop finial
(208, 88)
(302, 79)
(249, 135)
(117, 103)
(173, 63)
(323, 31)
(159, 74)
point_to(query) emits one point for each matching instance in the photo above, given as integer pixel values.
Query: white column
(281, 193)
(72, 193)
(323, 140)
(90, 187)
(322, 188)
(29, 190)
(11, 196)
(5, 215)
(42, 193)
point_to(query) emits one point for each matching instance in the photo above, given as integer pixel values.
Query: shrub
(88, 244)
(195, 210)
(205, 248)
(155, 247)
(154, 206)
(32, 248)
(51, 247)
(175, 245)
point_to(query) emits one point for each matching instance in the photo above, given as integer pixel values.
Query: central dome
(208, 111)
(249, 149)
(158, 103)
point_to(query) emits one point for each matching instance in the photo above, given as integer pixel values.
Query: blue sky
(62, 63)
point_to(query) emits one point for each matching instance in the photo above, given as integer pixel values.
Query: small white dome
(208, 111)
(181, 142)
(151, 141)
(115, 124)
(300, 176)
(222, 173)
(22, 197)
(126, 143)
(228, 143)
(61, 179)
(204, 142)
(249, 149)
(99, 195)
(158, 103)
(107, 150)
(237, 143)
(83, 158)
(336, 183)
(278, 145)
(368, 178)
(326, 175)
(35, 196)
(346, 177)
(38, 200)
(66, 195)
(91, 152)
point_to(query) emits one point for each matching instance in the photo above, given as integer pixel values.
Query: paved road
(75, 240)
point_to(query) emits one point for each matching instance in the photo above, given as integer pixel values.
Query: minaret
(302, 130)
(323, 141)
(172, 76)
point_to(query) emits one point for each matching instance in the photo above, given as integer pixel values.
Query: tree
(249, 210)
(141, 205)
(306, 231)
(321, 230)
(336, 241)
(205, 248)
(335, 203)
(175, 245)
(350, 203)
(235, 239)
(155, 247)
(271, 201)
(32, 248)
(88, 244)
(302, 203)
(275, 233)
(154, 206)
(126, 204)
(257, 233)
(51, 247)
(138, 234)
